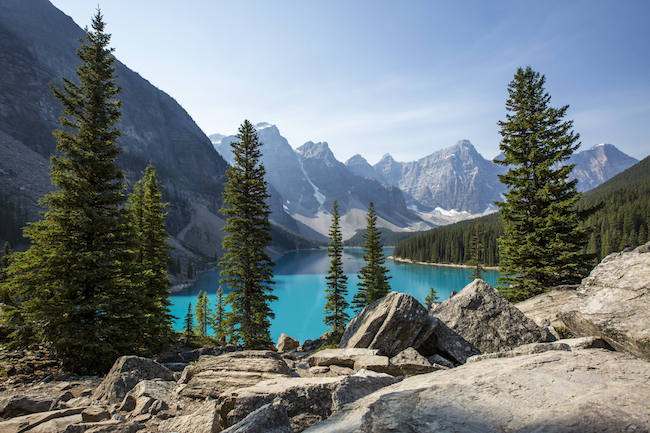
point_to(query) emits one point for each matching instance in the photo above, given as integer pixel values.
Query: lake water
(300, 287)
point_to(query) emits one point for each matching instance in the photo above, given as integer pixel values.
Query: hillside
(623, 220)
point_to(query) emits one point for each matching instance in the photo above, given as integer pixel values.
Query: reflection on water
(300, 287)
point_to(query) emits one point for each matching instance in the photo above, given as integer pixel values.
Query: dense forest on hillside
(389, 238)
(623, 220)
(451, 244)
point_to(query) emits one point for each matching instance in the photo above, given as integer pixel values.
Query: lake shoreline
(448, 265)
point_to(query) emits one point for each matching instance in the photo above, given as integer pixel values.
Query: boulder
(212, 375)
(95, 414)
(18, 405)
(286, 343)
(486, 320)
(389, 325)
(613, 303)
(125, 374)
(305, 400)
(409, 362)
(33, 421)
(204, 420)
(590, 390)
(341, 357)
(312, 345)
(445, 342)
(148, 396)
(270, 418)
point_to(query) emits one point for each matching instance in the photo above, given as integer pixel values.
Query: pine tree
(431, 298)
(477, 248)
(203, 314)
(149, 231)
(247, 268)
(373, 284)
(77, 277)
(219, 324)
(188, 328)
(335, 316)
(543, 237)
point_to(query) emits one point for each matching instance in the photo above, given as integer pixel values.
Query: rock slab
(613, 303)
(591, 390)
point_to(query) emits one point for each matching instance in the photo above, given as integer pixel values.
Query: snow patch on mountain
(319, 197)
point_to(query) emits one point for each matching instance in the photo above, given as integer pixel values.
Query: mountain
(38, 46)
(598, 164)
(454, 178)
(309, 179)
(460, 178)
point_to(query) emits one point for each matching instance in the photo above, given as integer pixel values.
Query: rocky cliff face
(598, 164)
(460, 178)
(38, 46)
(309, 179)
(454, 178)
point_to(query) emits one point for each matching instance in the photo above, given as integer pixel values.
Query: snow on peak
(262, 125)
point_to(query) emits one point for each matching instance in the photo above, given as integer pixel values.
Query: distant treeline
(451, 244)
(623, 220)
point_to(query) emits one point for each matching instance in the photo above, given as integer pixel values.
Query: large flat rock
(306, 401)
(613, 303)
(213, 375)
(591, 390)
(543, 309)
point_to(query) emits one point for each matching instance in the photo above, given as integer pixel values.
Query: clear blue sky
(400, 77)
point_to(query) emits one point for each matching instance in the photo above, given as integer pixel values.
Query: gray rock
(485, 319)
(445, 342)
(95, 414)
(377, 363)
(526, 349)
(32, 421)
(18, 405)
(286, 343)
(204, 420)
(543, 309)
(642, 249)
(212, 375)
(613, 303)
(125, 374)
(341, 357)
(306, 400)
(440, 360)
(409, 362)
(270, 418)
(591, 390)
(389, 325)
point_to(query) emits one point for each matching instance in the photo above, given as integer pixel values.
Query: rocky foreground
(474, 363)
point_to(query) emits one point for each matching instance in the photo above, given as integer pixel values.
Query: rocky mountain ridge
(459, 178)
(308, 180)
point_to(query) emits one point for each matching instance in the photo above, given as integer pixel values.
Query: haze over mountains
(38, 46)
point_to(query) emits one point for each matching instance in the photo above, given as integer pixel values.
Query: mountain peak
(320, 150)
(356, 159)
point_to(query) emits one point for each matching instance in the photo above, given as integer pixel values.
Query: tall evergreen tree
(373, 278)
(247, 268)
(543, 240)
(77, 277)
(219, 324)
(477, 248)
(203, 314)
(188, 323)
(148, 225)
(335, 316)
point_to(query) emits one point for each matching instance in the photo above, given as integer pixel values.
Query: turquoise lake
(300, 287)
